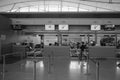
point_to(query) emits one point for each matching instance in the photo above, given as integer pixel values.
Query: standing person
(82, 48)
(42, 45)
(78, 45)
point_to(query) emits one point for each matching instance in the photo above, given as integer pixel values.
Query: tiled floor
(57, 69)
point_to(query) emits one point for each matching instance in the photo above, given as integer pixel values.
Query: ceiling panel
(90, 5)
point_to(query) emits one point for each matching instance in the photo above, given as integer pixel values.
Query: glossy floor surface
(60, 69)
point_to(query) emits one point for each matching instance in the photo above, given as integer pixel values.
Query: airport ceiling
(59, 5)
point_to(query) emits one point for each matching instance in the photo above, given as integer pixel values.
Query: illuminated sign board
(63, 27)
(95, 27)
(49, 27)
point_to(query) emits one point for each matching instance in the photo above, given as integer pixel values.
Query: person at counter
(82, 47)
(50, 44)
(56, 44)
(118, 44)
(92, 43)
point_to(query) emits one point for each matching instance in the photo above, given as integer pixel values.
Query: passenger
(82, 47)
(42, 45)
(56, 44)
(78, 45)
(50, 44)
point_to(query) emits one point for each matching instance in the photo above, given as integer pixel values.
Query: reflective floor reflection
(60, 70)
(118, 70)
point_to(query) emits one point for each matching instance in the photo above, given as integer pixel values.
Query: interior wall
(4, 23)
(73, 21)
(4, 31)
(8, 36)
(20, 37)
(34, 28)
(79, 27)
(35, 39)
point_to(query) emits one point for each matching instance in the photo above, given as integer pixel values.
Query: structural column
(116, 40)
(60, 39)
(96, 37)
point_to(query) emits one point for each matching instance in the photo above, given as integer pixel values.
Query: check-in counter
(6, 49)
(19, 50)
(57, 51)
(56, 59)
(102, 51)
(118, 53)
(12, 53)
(102, 63)
(0, 50)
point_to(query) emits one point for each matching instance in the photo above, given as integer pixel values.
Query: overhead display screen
(63, 27)
(95, 27)
(49, 27)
